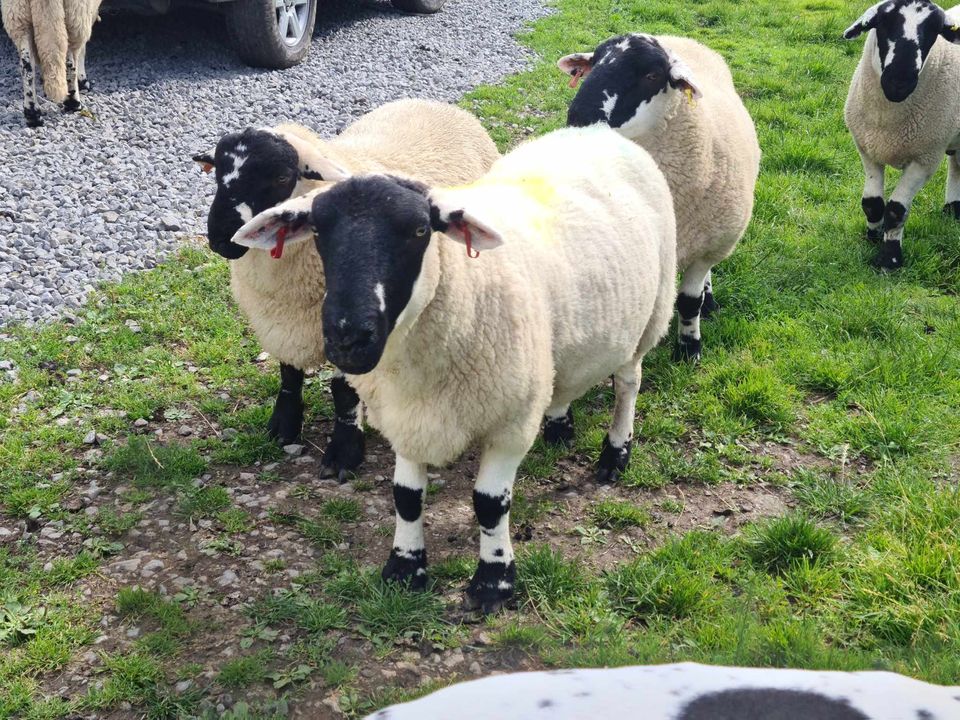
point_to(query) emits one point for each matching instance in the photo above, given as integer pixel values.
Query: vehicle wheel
(418, 6)
(271, 33)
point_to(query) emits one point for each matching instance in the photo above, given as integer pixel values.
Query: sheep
(686, 691)
(903, 110)
(256, 169)
(55, 33)
(448, 351)
(676, 98)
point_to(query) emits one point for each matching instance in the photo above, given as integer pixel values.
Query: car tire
(421, 7)
(271, 34)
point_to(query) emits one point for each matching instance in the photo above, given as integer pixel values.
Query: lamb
(448, 351)
(903, 110)
(55, 32)
(257, 169)
(685, 691)
(676, 98)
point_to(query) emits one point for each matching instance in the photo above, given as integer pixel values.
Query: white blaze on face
(913, 17)
(609, 103)
(647, 117)
(244, 211)
(238, 161)
(378, 291)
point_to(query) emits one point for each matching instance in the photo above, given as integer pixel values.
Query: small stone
(133, 632)
(151, 567)
(475, 668)
(183, 686)
(185, 430)
(229, 433)
(305, 460)
(170, 222)
(263, 357)
(110, 216)
(124, 566)
(90, 438)
(248, 477)
(71, 339)
(74, 372)
(293, 449)
(140, 422)
(229, 577)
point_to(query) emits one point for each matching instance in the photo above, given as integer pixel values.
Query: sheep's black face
(906, 31)
(256, 170)
(626, 73)
(371, 233)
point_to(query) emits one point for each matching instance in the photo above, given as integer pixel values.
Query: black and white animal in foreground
(574, 282)
(903, 110)
(685, 691)
(676, 98)
(53, 33)
(281, 292)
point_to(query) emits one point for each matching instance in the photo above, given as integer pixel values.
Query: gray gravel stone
(87, 200)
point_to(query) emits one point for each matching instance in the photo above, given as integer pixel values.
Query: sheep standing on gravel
(686, 691)
(676, 98)
(448, 350)
(55, 33)
(903, 110)
(281, 294)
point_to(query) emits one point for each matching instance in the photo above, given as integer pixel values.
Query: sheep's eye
(422, 231)
(654, 75)
(282, 180)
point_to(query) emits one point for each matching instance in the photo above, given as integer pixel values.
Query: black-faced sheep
(449, 351)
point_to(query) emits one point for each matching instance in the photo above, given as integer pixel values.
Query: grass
(820, 377)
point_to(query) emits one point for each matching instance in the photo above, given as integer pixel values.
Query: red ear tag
(277, 252)
(468, 239)
(577, 74)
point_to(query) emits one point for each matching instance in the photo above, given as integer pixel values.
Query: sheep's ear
(867, 21)
(577, 65)
(681, 77)
(951, 26)
(459, 223)
(205, 161)
(284, 224)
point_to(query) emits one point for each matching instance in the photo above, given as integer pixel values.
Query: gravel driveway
(83, 201)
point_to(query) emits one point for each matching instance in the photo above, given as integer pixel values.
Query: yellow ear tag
(690, 101)
(955, 28)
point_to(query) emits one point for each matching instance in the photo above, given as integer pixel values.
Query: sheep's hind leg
(689, 304)
(346, 449)
(408, 558)
(915, 176)
(872, 202)
(286, 422)
(82, 81)
(492, 584)
(558, 426)
(72, 103)
(615, 455)
(710, 304)
(952, 206)
(31, 112)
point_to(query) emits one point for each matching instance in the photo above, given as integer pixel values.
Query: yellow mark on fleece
(536, 187)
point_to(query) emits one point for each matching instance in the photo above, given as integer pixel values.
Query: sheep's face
(627, 84)
(255, 170)
(906, 31)
(371, 233)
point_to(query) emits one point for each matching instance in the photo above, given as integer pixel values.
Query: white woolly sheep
(448, 351)
(903, 110)
(676, 98)
(55, 33)
(686, 691)
(281, 296)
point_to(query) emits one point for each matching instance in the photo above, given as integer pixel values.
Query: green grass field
(835, 385)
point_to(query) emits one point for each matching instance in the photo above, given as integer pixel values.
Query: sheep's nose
(346, 336)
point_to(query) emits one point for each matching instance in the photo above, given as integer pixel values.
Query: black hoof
(491, 587)
(86, 85)
(710, 305)
(559, 431)
(409, 569)
(613, 461)
(72, 105)
(344, 453)
(286, 422)
(889, 256)
(952, 209)
(33, 118)
(687, 349)
(875, 235)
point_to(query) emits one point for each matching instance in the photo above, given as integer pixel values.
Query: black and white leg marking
(346, 449)
(558, 426)
(872, 201)
(31, 112)
(72, 103)
(493, 582)
(82, 81)
(689, 304)
(408, 558)
(915, 176)
(615, 455)
(710, 304)
(286, 422)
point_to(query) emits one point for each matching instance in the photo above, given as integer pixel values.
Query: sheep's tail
(50, 39)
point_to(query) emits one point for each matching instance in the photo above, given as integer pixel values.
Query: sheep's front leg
(72, 103)
(82, 81)
(346, 448)
(872, 202)
(408, 559)
(286, 422)
(915, 176)
(492, 583)
(615, 455)
(952, 207)
(689, 304)
(31, 112)
(710, 304)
